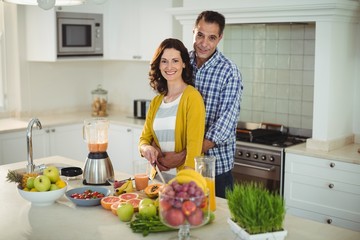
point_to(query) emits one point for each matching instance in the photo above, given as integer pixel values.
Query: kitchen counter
(348, 153)
(51, 120)
(63, 220)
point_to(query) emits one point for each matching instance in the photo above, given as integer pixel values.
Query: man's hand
(207, 144)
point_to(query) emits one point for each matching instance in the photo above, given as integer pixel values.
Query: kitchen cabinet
(129, 29)
(136, 29)
(123, 147)
(323, 190)
(119, 148)
(63, 140)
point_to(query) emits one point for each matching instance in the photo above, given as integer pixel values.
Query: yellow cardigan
(189, 127)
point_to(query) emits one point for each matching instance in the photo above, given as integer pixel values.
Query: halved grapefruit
(115, 205)
(135, 202)
(127, 196)
(106, 202)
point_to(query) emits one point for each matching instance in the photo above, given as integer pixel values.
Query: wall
(277, 66)
(336, 58)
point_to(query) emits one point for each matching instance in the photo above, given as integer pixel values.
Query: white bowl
(42, 198)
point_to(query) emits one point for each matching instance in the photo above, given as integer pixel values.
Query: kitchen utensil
(160, 174)
(87, 202)
(98, 169)
(42, 198)
(71, 171)
(195, 207)
(205, 165)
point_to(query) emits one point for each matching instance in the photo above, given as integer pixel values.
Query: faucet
(30, 167)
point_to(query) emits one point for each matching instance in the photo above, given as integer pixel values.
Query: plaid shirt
(219, 82)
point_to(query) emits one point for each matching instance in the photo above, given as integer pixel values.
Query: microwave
(79, 34)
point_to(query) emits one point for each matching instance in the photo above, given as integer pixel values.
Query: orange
(106, 202)
(135, 202)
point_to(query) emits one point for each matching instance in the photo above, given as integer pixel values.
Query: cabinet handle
(47, 131)
(128, 130)
(332, 165)
(53, 130)
(331, 185)
(329, 221)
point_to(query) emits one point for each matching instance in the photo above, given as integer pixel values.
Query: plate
(87, 202)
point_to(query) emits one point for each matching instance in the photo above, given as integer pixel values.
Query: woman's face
(171, 65)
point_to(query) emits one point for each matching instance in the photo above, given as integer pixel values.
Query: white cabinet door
(61, 140)
(13, 146)
(67, 141)
(135, 28)
(120, 148)
(136, 137)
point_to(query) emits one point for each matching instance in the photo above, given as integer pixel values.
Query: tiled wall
(277, 66)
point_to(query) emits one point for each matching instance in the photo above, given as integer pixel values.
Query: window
(2, 59)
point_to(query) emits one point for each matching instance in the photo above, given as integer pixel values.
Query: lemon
(33, 190)
(60, 183)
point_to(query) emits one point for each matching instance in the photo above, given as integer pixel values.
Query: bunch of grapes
(176, 193)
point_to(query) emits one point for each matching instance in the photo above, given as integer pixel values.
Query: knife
(161, 176)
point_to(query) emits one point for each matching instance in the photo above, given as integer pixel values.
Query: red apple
(196, 218)
(175, 217)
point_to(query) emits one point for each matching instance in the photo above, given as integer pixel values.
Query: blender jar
(95, 134)
(99, 102)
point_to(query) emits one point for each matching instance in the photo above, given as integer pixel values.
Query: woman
(175, 121)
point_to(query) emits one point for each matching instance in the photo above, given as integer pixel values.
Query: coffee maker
(98, 169)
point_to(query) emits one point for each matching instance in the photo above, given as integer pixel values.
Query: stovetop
(268, 134)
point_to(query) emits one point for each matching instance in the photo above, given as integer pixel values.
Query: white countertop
(348, 153)
(63, 220)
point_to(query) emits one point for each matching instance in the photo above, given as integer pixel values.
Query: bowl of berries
(87, 196)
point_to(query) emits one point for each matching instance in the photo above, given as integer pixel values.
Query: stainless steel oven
(260, 154)
(261, 165)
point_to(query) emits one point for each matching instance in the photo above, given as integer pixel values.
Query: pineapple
(19, 178)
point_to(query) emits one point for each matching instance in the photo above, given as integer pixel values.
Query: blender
(98, 169)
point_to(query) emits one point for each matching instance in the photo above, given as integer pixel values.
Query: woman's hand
(149, 152)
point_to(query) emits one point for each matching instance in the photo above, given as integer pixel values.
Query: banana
(126, 187)
(186, 179)
(129, 188)
(193, 174)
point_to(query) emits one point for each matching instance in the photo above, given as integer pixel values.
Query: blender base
(107, 183)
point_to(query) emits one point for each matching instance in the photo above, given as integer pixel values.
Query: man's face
(206, 39)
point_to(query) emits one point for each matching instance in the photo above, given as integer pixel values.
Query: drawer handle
(332, 165)
(331, 185)
(329, 221)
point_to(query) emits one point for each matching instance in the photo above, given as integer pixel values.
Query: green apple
(42, 183)
(125, 212)
(53, 187)
(146, 201)
(30, 182)
(147, 210)
(52, 173)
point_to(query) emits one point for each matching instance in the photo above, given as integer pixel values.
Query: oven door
(267, 174)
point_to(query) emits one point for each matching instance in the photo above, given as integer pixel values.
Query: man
(219, 81)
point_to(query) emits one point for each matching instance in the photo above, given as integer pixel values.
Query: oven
(260, 154)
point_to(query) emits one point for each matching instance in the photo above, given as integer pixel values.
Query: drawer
(322, 168)
(326, 219)
(322, 196)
